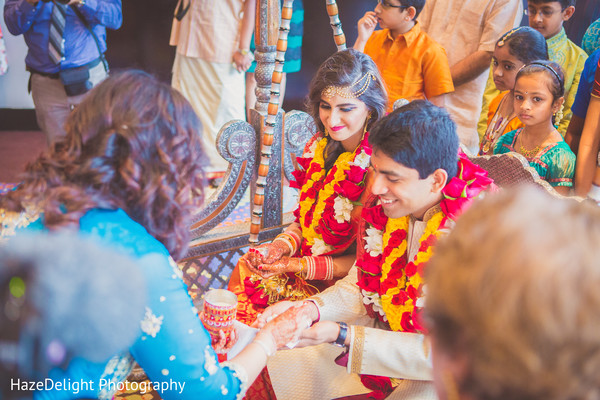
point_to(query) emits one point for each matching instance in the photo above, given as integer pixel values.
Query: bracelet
(264, 347)
(318, 268)
(287, 243)
(292, 239)
(302, 266)
(310, 267)
(295, 236)
(246, 52)
(341, 339)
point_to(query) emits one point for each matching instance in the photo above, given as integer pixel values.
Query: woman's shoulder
(115, 227)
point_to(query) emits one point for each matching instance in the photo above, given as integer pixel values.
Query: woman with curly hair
(129, 174)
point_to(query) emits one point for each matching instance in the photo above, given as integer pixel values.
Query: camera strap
(89, 28)
(181, 10)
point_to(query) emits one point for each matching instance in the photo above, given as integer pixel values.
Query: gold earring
(558, 116)
(365, 127)
(450, 386)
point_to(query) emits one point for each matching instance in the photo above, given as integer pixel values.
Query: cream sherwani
(463, 27)
(311, 373)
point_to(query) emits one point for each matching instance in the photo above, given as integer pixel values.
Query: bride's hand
(266, 253)
(285, 264)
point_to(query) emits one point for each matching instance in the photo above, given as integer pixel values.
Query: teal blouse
(555, 163)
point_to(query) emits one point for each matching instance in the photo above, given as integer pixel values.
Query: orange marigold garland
(331, 196)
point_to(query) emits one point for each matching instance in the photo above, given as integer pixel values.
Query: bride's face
(344, 119)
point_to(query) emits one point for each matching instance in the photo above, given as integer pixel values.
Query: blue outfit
(293, 53)
(591, 38)
(173, 347)
(33, 22)
(554, 163)
(586, 83)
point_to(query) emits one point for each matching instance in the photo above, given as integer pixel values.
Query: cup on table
(218, 315)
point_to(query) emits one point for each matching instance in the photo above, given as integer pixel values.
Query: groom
(420, 185)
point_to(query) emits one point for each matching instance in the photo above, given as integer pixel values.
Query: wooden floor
(17, 148)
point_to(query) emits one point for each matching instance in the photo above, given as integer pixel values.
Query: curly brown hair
(133, 143)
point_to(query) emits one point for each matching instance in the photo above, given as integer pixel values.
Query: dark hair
(344, 68)
(552, 70)
(417, 4)
(420, 136)
(132, 143)
(525, 43)
(563, 3)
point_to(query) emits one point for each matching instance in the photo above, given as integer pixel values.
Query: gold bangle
(302, 266)
(287, 242)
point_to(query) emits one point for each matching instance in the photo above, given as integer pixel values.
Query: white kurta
(311, 373)
(463, 27)
(206, 39)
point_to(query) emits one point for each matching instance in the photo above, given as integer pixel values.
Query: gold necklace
(529, 153)
(533, 152)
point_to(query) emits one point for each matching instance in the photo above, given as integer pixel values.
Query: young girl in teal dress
(538, 100)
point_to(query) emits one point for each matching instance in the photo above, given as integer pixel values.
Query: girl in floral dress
(345, 98)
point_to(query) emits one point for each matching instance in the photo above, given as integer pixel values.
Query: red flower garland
(458, 194)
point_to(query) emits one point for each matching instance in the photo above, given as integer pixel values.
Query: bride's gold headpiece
(350, 92)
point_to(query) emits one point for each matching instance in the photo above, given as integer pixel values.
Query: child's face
(533, 101)
(391, 15)
(547, 18)
(505, 67)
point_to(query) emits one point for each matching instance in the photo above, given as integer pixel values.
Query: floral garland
(330, 195)
(392, 286)
(390, 283)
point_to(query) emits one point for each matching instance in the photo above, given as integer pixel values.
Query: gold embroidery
(318, 300)
(358, 346)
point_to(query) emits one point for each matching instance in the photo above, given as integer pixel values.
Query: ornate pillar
(268, 16)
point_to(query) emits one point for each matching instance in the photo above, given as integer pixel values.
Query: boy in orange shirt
(412, 65)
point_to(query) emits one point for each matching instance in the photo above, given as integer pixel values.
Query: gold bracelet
(302, 266)
(287, 242)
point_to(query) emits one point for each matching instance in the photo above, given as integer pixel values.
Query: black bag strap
(89, 28)
(181, 10)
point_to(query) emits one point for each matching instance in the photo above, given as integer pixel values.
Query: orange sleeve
(373, 45)
(494, 104)
(513, 125)
(437, 79)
